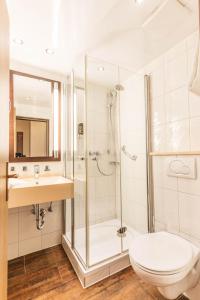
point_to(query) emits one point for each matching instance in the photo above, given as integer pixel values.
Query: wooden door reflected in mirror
(32, 137)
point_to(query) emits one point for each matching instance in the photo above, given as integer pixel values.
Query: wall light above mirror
(34, 118)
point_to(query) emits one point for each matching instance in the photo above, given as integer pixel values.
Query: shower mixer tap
(94, 153)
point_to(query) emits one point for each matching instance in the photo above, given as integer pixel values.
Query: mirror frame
(12, 157)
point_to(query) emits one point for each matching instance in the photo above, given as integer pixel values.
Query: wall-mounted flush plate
(182, 167)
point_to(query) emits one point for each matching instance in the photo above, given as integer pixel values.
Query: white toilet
(166, 261)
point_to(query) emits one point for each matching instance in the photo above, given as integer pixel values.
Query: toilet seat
(163, 273)
(162, 253)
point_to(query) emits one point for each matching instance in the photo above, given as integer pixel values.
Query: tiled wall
(176, 127)
(101, 189)
(176, 111)
(23, 236)
(133, 173)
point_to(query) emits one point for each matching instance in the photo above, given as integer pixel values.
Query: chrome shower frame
(149, 158)
(70, 247)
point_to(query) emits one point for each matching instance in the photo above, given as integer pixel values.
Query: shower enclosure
(107, 160)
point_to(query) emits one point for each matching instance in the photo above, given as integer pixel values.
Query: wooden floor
(48, 274)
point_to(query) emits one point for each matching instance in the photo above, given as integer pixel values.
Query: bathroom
(99, 149)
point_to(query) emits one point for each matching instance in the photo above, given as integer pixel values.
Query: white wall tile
(29, 246)
(159, 226)
(189, 211)
(178, 136)
(13, 250)
(194, 105)
(53, 220)
(22, 229)
(166, 207)
(51, 239)
(27, 226)
(176, 72)
(191, 186)
(158, 111)
(139, 214)
(176, 103)
(159, 138)
(157, 79)
(13, 228)
(159, 204)
(195, 133)
(171, 210)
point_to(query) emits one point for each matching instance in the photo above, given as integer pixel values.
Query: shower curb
(94, 274)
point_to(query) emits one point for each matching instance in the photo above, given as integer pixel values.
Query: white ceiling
(107, 29)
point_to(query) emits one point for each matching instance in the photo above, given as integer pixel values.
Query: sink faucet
(37, 173)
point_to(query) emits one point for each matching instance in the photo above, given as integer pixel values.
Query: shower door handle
(81, 158)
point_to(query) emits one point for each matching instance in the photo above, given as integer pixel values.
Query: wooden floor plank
(48, 275)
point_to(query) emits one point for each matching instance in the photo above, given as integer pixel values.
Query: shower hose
(100, 171)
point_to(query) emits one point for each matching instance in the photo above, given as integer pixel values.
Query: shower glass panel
(107, 142)
(133, 158)
(69, 157)
(103, 164)
(77, 146)
(79, 172)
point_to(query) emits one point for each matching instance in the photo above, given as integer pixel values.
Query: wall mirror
(34, 118)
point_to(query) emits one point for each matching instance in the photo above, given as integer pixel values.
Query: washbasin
(27, 182)
(27, 191)
(13, 182)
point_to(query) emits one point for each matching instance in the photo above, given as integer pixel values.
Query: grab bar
(132, 157)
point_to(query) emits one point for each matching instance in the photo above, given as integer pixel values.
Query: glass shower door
(133, 158)
(103, 165)
(79, 173)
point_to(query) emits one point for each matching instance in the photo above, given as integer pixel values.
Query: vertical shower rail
(149, 158)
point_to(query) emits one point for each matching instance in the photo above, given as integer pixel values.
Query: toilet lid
(161, 252)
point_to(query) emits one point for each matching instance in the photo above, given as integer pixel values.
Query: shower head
(119, 87)
(112, 93)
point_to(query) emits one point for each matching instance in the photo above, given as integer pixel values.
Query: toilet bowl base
(188, 283)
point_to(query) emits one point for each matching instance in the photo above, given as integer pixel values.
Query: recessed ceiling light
(18, 41)
(49, 51)
(101, 69)
(139, 2)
